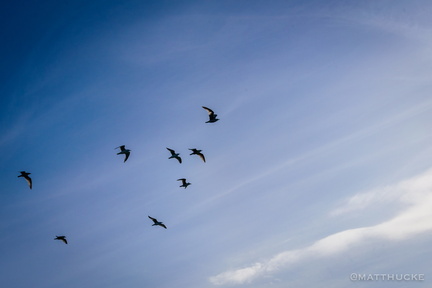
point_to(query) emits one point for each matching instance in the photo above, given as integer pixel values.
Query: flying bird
(184, 183)
(62, 238)
(26, 177)
(174, 155)
(156, 222)
(124, 151)
(212, 115)
(197, 152)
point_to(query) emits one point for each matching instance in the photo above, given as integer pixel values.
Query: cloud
(414, 219)
(411, 191)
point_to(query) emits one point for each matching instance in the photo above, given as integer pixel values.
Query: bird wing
(163, 225)
(126, 156)
(179, 159)
(210, 112)
(154, 219)
(201, 156)
(63, 238)
(183, 181)
(29, 181)
(171, 150)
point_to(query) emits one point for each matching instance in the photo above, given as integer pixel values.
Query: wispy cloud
(416, 195)
(335, 144)
(412, 191)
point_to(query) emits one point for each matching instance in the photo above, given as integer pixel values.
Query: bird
(174, 155)
(212, 115)
(26, 177)
(124, 151)
(184, 183)
(156, 222)
(197, 152)
(62, 238)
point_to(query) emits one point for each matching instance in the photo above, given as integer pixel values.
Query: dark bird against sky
(197, 152)
(62, 238)
(157, 223)
(27, 178)
(212, 115)
(184, 183)
(124, 151)
(174, 155)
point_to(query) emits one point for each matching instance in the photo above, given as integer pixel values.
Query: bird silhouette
(157, 223)
(197, 152)
(26, 177)
(124, 151)
(62, 238)
(174, 155)
(184, 183)
(212, 115)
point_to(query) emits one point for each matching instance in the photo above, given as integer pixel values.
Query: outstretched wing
(154, 219)
(126, 156)
(179, 159)
(29, 181)
(171, 150)
(201, 156)
(210, 112)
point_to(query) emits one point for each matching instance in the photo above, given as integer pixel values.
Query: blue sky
(319, 167)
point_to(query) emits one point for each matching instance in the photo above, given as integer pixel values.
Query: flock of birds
(126, 152)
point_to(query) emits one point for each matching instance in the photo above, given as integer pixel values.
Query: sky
(319, 168)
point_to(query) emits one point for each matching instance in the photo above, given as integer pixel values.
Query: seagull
(156, 222)
(124, 151)
(174, 155)
(184, 183)
(62, 238)
(26, 177)
(197, 152)
(212, 115)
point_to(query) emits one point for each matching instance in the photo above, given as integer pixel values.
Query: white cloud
(238, 276)
(412, 220)
(411, 191)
